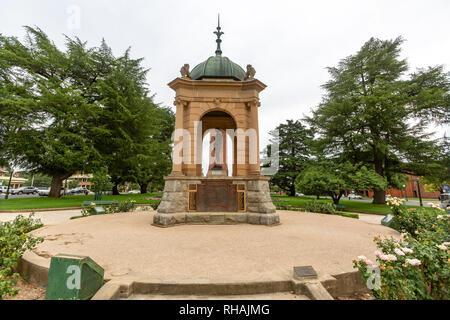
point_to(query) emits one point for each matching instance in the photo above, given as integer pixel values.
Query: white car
(25, 190)
(354, 196)
(134, 191)
(44, 191)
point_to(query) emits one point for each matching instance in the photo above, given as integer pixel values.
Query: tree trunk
(318, 196)
(336, 197)
(57, 181)
(143, 187)
(379, 197)
(292, 191)
(115, 190)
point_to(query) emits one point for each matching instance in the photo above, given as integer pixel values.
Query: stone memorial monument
(217, 101)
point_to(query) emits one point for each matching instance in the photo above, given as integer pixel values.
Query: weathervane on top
(218, 33)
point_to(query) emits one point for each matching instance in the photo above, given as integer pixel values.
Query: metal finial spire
(218, 33)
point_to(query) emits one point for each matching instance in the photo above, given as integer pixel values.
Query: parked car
(134, 191)
(3, 189)
(25, 190)
(44, 191)
(444, 200)
(299, 194)
(354, 196)
(78, 190)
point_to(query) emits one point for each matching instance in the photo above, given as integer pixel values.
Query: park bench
(100, 203)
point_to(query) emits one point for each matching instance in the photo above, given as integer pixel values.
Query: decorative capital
(179, 101)
(252, 103)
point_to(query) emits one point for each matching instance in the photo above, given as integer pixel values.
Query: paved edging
(35, 269)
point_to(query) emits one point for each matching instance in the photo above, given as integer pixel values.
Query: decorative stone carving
(250, 72)
(252, 103)
(179, 101)
(185, 73)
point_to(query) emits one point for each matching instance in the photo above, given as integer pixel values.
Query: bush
(314, 206)
(155, 204)
(14, 241)
(127, 206)
(416, 267)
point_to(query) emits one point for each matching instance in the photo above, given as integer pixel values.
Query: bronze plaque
(216, 196)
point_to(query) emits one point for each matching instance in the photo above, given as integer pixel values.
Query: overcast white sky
(289, 43)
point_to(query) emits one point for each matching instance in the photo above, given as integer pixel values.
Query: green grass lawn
(350, 205)
(76, 201)
(69, 201)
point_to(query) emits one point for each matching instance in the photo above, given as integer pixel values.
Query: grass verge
(70, 201)
(350, 205)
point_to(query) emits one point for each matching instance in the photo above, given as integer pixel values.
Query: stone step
(266, 296)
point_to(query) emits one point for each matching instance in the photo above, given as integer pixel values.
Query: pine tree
(375, 113)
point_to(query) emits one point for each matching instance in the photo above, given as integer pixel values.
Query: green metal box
(388, 221)
(73, 277)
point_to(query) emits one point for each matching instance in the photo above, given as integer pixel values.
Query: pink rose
(399, 252)
(392, 257)
(368, 262)
(407, 250)
(384, 257)
(413, 262)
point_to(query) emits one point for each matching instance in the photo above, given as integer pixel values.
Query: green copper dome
(218, 67)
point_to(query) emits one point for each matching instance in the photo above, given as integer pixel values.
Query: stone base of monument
(180, 192)
(171, 219)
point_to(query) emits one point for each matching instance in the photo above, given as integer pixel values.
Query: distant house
(411, 190)
(83, 179)
(16, 181)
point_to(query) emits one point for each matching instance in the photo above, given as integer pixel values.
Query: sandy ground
(55, 217)
(47, 217)
(27, 291)
(126, 244)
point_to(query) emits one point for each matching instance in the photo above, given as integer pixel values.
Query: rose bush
(14, 241)
(417, 266)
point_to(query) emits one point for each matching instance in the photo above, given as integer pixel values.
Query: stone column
(255, 168)
(179, 119)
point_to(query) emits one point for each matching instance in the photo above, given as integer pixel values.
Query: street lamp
(420, 193)
(9, 183)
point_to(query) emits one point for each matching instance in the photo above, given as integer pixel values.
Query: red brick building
(411, 189)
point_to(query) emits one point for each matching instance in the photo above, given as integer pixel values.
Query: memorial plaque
(304, 272)
(216, 196)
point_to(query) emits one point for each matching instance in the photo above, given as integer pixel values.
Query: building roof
(14, 179)
(218, 67)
